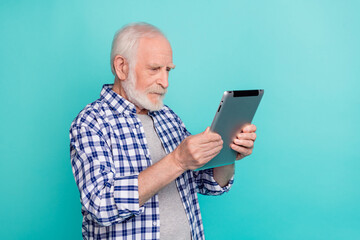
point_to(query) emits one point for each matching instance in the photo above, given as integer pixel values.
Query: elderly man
(133, 158)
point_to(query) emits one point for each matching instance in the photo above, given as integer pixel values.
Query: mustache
(156, 89)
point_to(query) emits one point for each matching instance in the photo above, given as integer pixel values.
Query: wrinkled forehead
(155, 48)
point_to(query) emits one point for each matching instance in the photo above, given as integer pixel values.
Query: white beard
(140, 99)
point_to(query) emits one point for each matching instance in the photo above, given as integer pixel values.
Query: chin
(157, 106)
(156, 103)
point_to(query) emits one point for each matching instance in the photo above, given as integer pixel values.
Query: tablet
(236, 109)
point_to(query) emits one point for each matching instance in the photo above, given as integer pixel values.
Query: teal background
(301, 182)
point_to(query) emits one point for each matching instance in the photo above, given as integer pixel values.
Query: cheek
(142, 82)
(146, 83)
(141, 78)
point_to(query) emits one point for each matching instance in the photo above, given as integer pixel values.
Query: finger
(244, 143)
(212, 144)
(249, 128)
(207, 130)
(202, 137)
(242, 150)
(214, 137)
(239, 156)
(204, 142)
(247, 136)
(212, 152)
(205, 147)
(210, 137)
(210, 157)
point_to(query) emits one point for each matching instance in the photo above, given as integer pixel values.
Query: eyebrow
(171, 65)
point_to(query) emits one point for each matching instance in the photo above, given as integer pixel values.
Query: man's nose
(163, 79)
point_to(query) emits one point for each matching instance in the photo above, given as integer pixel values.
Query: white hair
(140, 99)
(126, 41)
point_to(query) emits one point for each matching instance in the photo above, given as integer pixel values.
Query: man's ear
(121, 67)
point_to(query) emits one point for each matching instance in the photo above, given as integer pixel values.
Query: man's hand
(244, 141)
(196, 150)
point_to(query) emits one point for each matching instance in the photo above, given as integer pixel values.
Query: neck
(120, 90)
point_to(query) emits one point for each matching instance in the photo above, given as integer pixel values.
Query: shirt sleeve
(204, 179)
(107, 197)
(207, 185)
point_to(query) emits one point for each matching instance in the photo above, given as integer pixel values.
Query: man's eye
(155, 69)
(168, 69)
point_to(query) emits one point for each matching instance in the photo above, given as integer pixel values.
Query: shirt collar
(116, 101)
(120, 104)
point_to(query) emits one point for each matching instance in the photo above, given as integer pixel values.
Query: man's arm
(192, 153)
(243, 144)
(157, 176)
(110, 198)
(223, 174)
(107, 197)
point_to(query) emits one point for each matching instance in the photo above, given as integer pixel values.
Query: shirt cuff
(212, 185)
(126, 195)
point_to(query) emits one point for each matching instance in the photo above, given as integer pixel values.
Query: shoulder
(92, 116)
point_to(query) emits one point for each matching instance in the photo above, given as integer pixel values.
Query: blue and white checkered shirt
(108, 151)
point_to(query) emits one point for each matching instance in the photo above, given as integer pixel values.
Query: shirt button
(154, 223)
(147, 155)
(137, 125)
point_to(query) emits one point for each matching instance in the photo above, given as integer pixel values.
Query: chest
(130, 147)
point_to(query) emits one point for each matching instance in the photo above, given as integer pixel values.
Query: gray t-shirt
(173, 220)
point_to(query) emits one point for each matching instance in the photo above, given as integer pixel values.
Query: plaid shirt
(108, 150)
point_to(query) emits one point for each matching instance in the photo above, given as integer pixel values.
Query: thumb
(207, 130)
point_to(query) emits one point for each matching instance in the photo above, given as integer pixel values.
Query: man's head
(141, 58)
